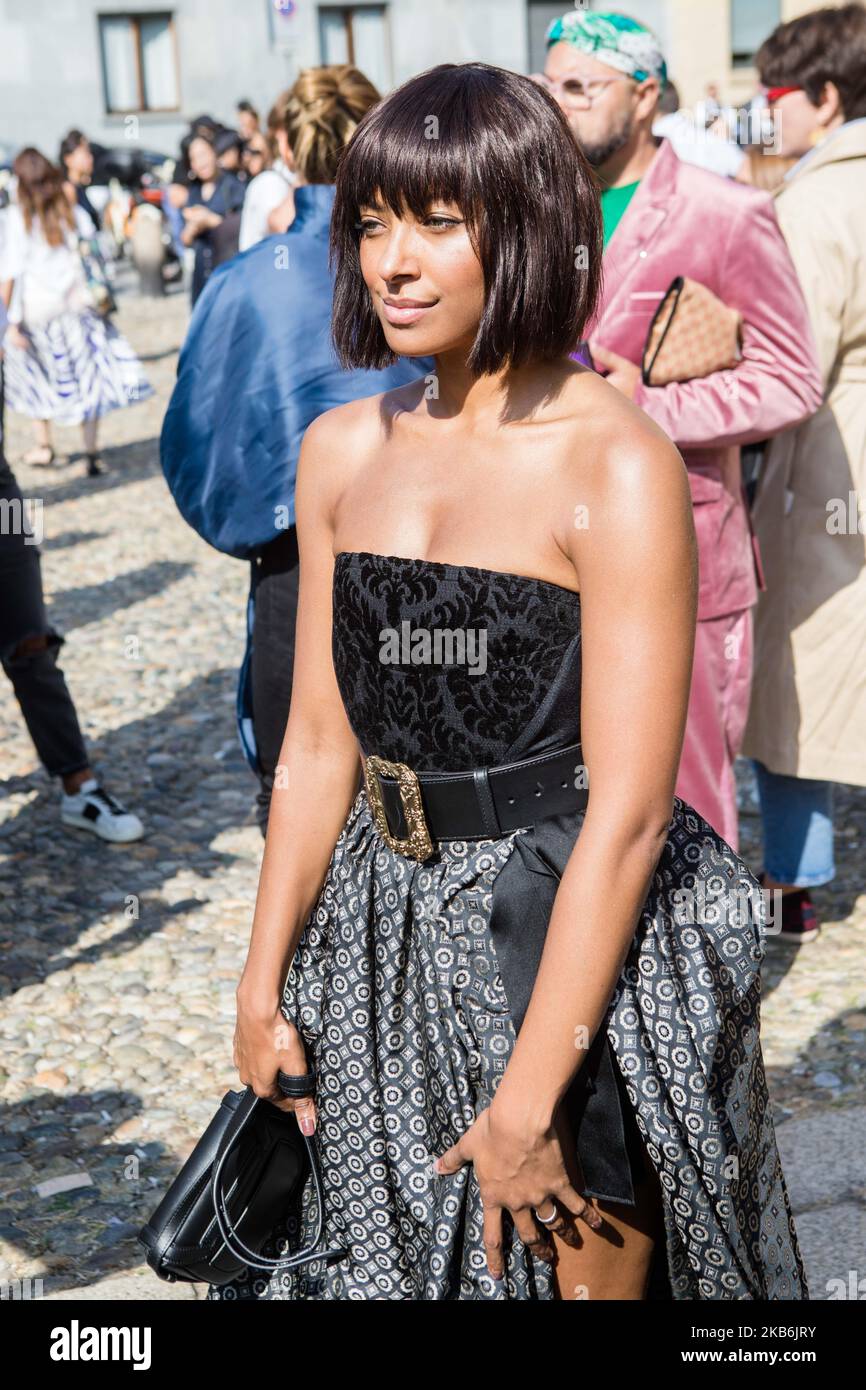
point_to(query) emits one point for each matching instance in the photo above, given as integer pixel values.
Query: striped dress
(76, 365)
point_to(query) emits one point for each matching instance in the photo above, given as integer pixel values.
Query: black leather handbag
(242, 1176)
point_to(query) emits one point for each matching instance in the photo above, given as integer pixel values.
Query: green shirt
(614, 202)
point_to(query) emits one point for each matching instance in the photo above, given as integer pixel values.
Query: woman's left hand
(519, 1169)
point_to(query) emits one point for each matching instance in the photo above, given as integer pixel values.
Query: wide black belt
(414, 810)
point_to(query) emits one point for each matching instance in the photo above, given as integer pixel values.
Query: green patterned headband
(614, 39)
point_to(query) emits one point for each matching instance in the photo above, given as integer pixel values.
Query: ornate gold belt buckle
(418, 844)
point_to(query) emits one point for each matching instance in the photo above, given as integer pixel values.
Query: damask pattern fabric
(410, 980)
(441, 717)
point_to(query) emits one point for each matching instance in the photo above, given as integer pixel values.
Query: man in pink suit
(665, 218)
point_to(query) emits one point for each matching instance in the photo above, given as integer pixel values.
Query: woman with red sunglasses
(807, 724)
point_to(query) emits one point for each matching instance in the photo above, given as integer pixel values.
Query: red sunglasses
(774, 93)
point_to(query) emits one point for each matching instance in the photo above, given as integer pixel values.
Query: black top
(447, 716)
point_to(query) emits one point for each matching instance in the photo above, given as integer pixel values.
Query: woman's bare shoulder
(615, 466)
(612, 441)
(360, 424)
(342, 441)
(625, 506)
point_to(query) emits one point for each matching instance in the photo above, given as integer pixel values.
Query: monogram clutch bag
(692, 334)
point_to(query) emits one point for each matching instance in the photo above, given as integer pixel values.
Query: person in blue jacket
(257, 367)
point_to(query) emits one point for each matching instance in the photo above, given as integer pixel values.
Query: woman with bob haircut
(521, 975)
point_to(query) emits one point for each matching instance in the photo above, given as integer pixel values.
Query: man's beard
(599, 152)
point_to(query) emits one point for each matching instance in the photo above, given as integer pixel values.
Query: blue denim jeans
(797, 815)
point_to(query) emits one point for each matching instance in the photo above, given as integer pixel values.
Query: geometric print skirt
(397, 989)
(77, 367)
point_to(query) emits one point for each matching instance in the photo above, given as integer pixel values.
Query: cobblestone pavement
(118, 964)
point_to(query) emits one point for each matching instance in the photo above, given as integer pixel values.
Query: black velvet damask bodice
(448, 667)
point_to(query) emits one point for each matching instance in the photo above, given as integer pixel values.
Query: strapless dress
(411, 979)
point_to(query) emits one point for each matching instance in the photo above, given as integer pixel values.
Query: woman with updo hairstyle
(322, 111)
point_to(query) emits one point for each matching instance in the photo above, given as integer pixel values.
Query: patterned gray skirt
(397, 990)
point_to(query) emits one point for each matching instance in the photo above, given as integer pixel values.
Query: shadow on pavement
(125, 463)
(63, 880)
(68, 539)
(91, 603)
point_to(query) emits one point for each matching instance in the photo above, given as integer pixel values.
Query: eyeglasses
(571, 91)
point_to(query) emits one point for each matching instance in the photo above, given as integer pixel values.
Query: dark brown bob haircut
(498, 146)
(826, 45)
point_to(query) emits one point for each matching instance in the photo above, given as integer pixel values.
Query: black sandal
(95, 467)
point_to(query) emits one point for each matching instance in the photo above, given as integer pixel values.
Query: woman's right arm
(315, 784)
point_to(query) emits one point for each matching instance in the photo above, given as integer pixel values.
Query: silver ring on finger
(546, 1220)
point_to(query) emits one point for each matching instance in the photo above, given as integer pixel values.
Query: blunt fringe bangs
(498, 146)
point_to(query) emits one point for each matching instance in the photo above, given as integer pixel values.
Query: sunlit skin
(423, 278)
(800, 123)
(487, 471)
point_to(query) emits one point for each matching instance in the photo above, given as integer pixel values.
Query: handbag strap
(675, 288)
(230, 1236)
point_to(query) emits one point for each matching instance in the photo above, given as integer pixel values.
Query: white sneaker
(94, 809)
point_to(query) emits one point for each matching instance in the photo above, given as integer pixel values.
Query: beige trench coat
(808, 705)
